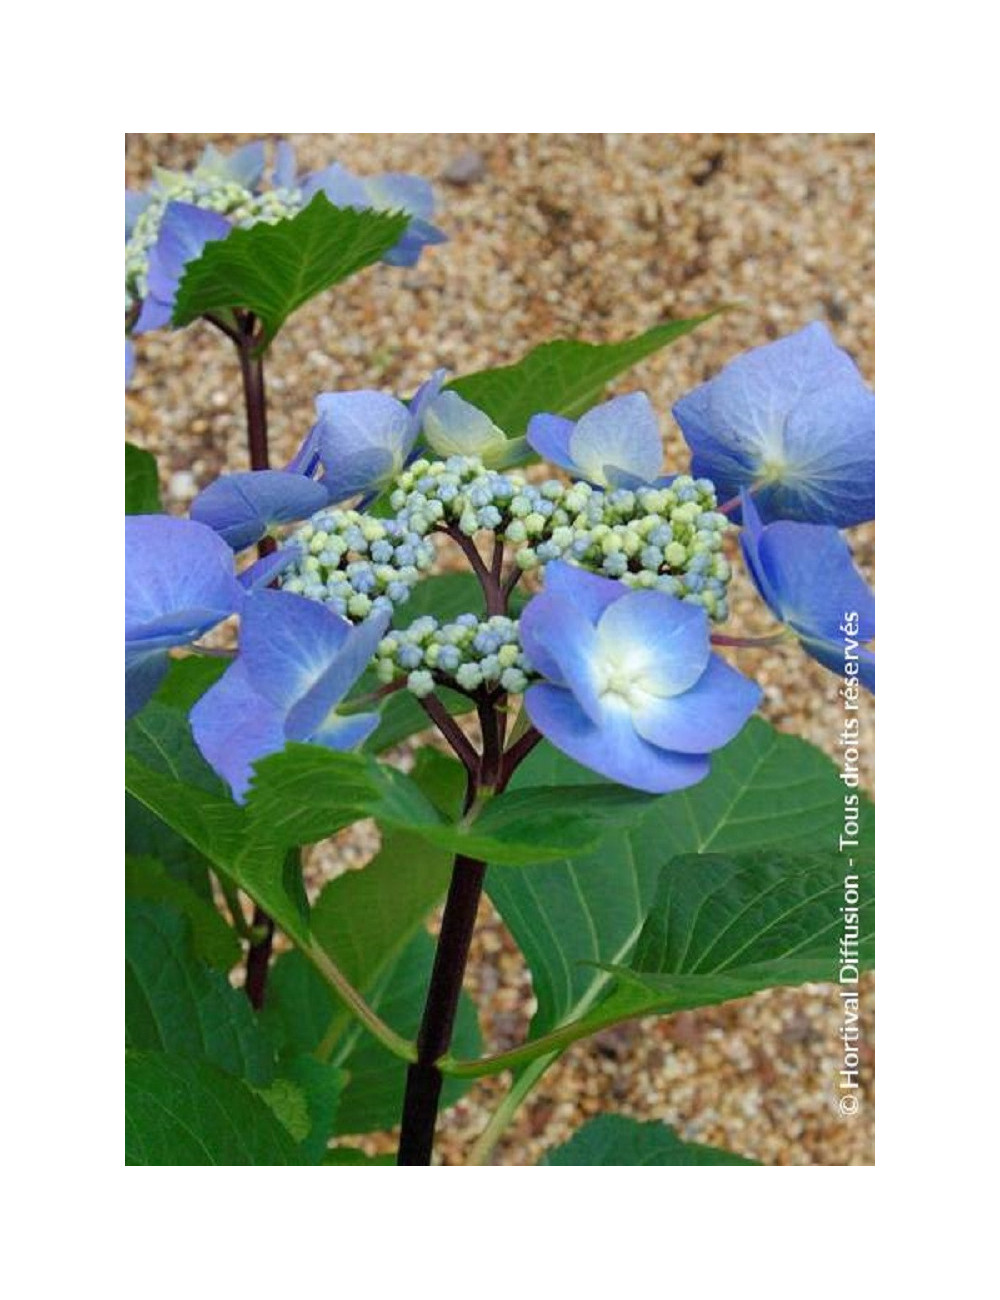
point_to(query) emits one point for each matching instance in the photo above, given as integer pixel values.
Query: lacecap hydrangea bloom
(792, 421)
(169, 225)
(632, 689)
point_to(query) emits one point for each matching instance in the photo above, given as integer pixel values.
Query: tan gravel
(598, 237)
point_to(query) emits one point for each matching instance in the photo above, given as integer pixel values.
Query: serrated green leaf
(183, 1112)
(142, 484)
(174, 1004)
(765, 789)
(188, 679)
(565, 377)
(213, 940)
(616, 1140)
(271, 270)
(352, 1156)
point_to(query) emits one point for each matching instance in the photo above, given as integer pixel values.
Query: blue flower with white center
(363, 439)
(632, 689)
(615, 445)
(794, 422)
(184, 232)
(807, 577)
(391, 192)
(243, 507)
(179, 583)
(297, 662)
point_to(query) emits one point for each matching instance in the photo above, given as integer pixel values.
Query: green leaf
(320, 1085)
(615, 1140)
(182, 1112)
(188, 679)
(176, 1005)
(565, 377)
(765, 790)
(142, 484)
(724, 926)
(160, 761)
(306, 793)
(271, 270)
(214, 942)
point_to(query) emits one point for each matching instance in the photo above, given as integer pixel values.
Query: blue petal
(129, 360)
(830, 445)
(621, 434)
(143, 674)
(306, 459)
(342, 188)
(750, 546)
(346, 733)
(242, 507)
(397, 191)
(364, 439)
(263, 571)
(704, 717)
(414, 239)
(287, 644)
(831, 655)
(811, 571)
(184, 232)
(314, 710)
(178, 575)
(234, 726)
(589, 593)
(662, 642)
(613, 749)
(426, 394)
(561, 644)
(549, 435)
(283, 174)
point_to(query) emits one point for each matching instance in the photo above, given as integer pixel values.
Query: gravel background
(595, 237)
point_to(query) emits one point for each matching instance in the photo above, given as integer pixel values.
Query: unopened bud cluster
(666, 539)
(356, 564)
(470, 653)
(240, 205)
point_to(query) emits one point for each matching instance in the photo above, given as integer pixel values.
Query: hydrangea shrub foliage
(489, 617)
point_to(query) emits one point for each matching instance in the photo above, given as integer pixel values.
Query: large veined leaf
(565, 377)
(765, 790)
(617, 1140)
(142, 485)
(213, 941)
(174, 1004)
(271, 270)
(185, 1112)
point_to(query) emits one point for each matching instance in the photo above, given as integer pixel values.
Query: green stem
(355, 1003)
(504, 1113)
(231, 894)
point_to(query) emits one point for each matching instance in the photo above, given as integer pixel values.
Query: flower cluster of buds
(662, 538)
(241, 206)
(470, 653)
(356, 564)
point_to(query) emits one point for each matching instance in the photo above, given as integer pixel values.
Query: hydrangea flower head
(807, 577)
(792, 420)
(632, 688)
(179, 583)
(615, 445)
(297, 662)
